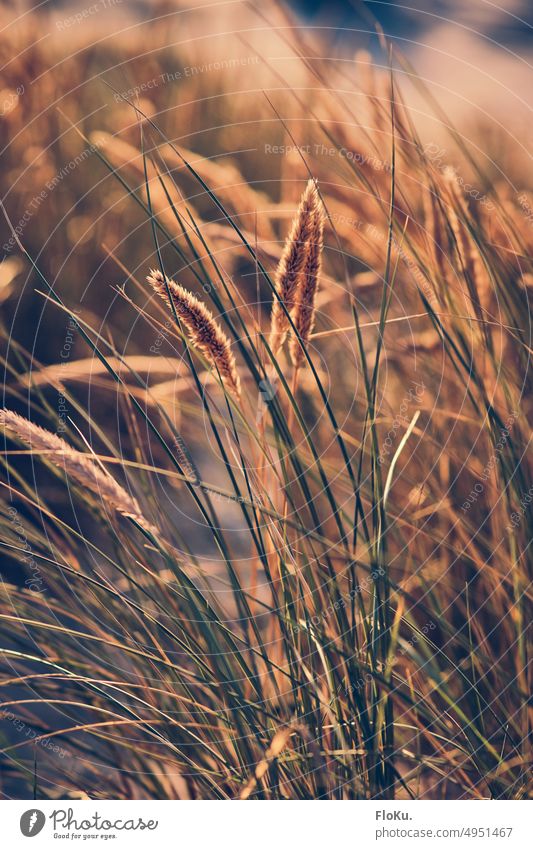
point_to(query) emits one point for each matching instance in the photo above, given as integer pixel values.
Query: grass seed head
(291, 265)
(304, 314)
(202, 329)
(82, 467)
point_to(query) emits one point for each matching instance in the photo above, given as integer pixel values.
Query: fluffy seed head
(304, 313)
(292, 263)
(202, 329)
(82, 467)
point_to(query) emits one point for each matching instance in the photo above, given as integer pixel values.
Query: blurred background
(479, 50)
(204, 73)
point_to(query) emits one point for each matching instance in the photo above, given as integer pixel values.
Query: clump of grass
(335, 597)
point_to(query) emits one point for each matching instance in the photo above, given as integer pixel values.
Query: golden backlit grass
(297, 566)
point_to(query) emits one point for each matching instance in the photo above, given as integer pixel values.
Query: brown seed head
(82, 467)
(304, 314)
(202, 329)
(291, 265)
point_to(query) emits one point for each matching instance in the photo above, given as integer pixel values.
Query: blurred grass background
(237, 90)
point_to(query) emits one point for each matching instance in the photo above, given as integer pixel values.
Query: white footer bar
(263, 825)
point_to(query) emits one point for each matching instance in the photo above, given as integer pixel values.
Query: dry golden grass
(332, 597)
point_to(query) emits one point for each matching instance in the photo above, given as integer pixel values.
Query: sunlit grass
(326, 592)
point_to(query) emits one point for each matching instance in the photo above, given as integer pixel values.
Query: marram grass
(293, 562)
